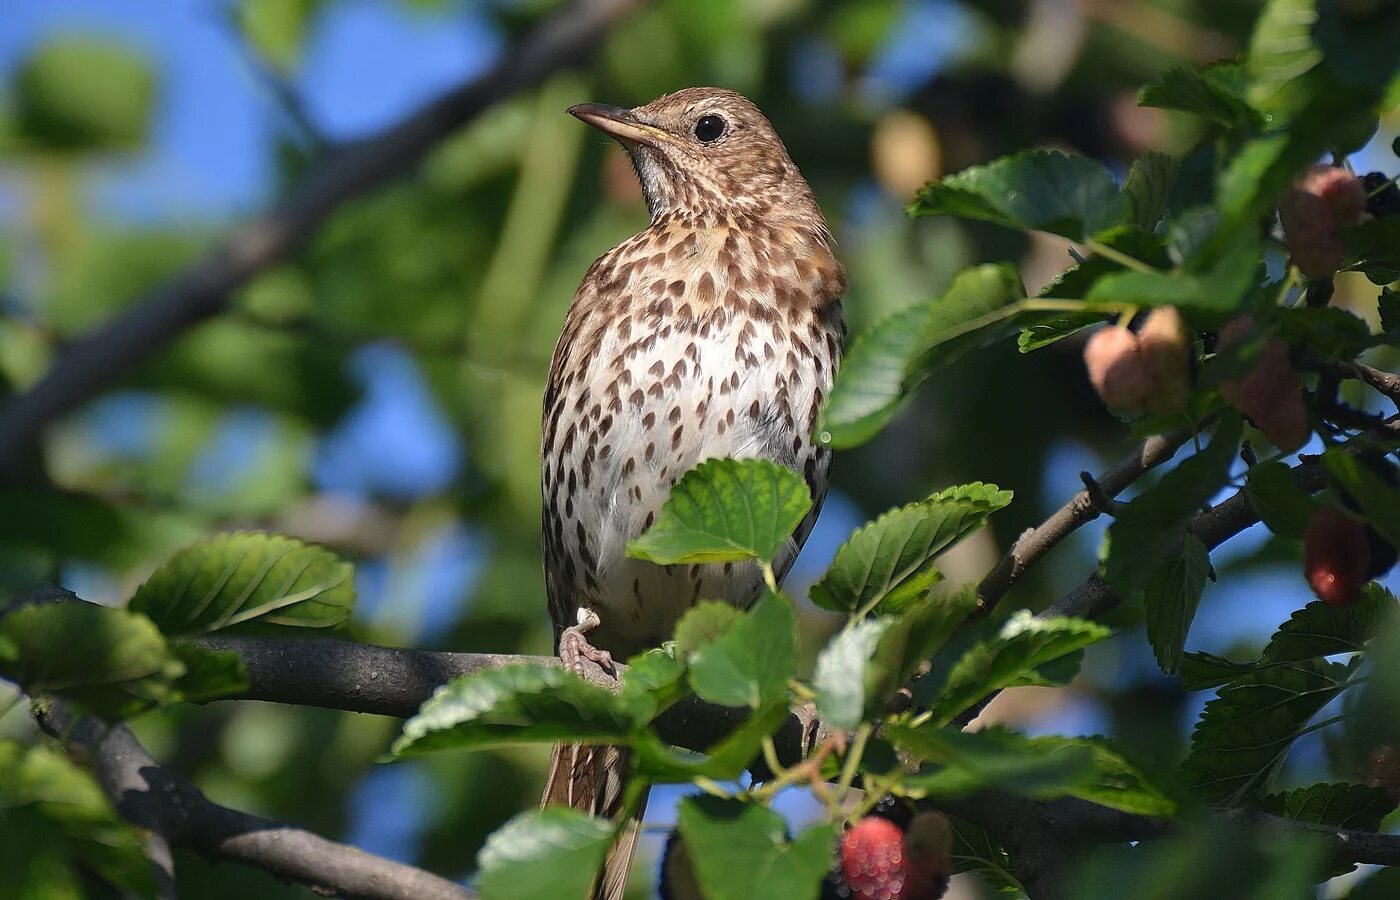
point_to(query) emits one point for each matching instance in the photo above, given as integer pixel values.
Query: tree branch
(178, 813)
(97, 361)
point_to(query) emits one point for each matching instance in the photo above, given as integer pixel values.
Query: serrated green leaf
(1024, 644)
(1379, 501)
(1055, 328)
(703, 624)
(1388, 307)
(916, 635)
(543, 854)
(1147, 186)
(885, 566)
(653, 681)
(1245, 732)
(1215, 93)
(1170, 599)
(1218, 291)
(45, 796)
(842, 670)
(1326, 331)
(111, 662)
(517, 704)
(740, 850)
(724, 510)
(1044, 767)
(1042, 190)
(1203, 671)
(247, 577)
(752, 662)
(724, 760)
(1280, 503)
(894, 357)
(1147, 528)
(1341, 805)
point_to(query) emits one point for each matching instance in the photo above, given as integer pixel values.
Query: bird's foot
(574, 647)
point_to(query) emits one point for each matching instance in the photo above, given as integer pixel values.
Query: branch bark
(97, 361)
(178, 813)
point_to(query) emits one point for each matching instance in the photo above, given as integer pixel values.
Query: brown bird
(716, 332)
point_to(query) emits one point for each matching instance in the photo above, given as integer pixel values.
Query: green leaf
(724, 760)
(209, 674)
(1388, 306)
(916, 635)
(1315, 631)
(544, 854)
(976, 851)
(724, 510)
(1281, 51)
(85, 96)
(1340, 805)
(1147, 528)
(1218, 291)
(48, 801)
(1379, 501)
(740, 850)
(1215, 93)
(111, 662)
(1042, 190)
(653, 681)
(886, 566)
(1327, 331)
(842, 671)
(1275, 496)
(517, 704)
(275, 28)
(1044, 767)
(1245, 732)
(1055, 328)
(886, 363)
(752, 662)
(1170, 599)
(1024, 644)
(246, 576)
(1147, 186)
(1383, 884)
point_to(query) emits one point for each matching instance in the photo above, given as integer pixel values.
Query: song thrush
(716, 332)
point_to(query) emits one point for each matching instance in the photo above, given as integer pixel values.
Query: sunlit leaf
(543, 854)
(726, 509)
(842, 670)
(741, 850)
(752, 662)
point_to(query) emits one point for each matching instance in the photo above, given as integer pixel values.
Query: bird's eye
(709, 129)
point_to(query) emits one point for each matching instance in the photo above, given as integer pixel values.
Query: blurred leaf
(1373, 723)
(704, 623)
(894, 357)
(1379, 501)
(209, 674)
(50, 803)
(544, 854)
(76, 526)
(842, 671)
(1281, 51)
(1045, 767)
(1327, 331)
(1280, 503)
(726, 509)
(246, 576)
(1382, 884)
(516, 704)
(740, 850)
(1170, 598)
(1211, 859)
(1374, 247)
(1246, 731)
(1147, 528)
(1342, 805)
(1147, 186)
(751, 663)
(653, 681)
(107, 661)
(1052, 329)
(276, 28)
(85, 96)
(1215, 93)
(1388, 306)
(105, 272)
(886, 565)
(1219, 291)
(1043, 190)
(915, 635)
(1023, 645)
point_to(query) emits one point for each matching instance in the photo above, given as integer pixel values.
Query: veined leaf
(1170, 600)
(516, 704)
(544, 854)
(1274, 494)
(1147, 187)
(842, 672)
(1341, 805)
(724, 510)
(975, 850)
(886, 566)
(1042, 190)
(740, 850)
(1379, 501)
(895, 356)
(751, 663)
(1024, 644)
(246, 576)
(1215, 93)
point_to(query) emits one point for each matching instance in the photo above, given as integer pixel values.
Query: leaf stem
(768, 577)
(848, 769)
(1118, 256)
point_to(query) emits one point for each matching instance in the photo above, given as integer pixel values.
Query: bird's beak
(618, 122)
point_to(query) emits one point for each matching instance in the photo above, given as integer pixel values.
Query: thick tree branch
(97, 361)
(179, 814)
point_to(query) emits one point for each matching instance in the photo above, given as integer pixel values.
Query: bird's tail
(591, 779)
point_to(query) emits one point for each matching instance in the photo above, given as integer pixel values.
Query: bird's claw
(574, 647)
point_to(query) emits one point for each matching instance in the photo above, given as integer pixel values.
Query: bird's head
(706, 154)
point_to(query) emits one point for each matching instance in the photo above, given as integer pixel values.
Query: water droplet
(824, 437)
